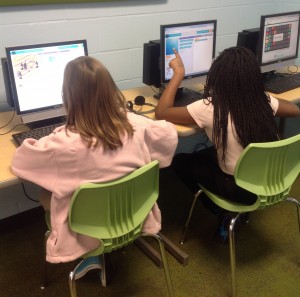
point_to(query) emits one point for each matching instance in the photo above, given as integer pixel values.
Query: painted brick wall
(116, 31)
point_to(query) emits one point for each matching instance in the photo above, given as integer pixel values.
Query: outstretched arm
(287, 109)
(164, 109)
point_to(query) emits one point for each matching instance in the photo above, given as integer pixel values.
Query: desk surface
(147, 92)
(7, 178)
(7, 147)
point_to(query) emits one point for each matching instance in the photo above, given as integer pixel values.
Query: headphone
(139, 101)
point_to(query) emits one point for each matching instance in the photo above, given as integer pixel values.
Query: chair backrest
(269, 169)
(114, 211)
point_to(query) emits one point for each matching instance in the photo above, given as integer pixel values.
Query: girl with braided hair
(235, 111)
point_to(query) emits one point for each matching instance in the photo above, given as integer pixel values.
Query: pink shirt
(61, 162)
(203, 115)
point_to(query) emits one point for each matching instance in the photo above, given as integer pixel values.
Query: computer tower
(7, 83)
(249, 38)
(151, 67)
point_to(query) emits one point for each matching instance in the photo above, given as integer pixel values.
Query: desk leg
(147, 248)
(176, 252)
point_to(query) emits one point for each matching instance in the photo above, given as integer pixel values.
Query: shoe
(221, 235)
(86, 265)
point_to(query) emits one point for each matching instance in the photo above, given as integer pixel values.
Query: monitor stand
(47, 122)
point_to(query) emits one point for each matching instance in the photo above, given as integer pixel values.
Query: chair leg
(164, 262)
(72, 284)
(44, 269)
(232, 254)
(103, 272)
(186, 226)
(72, 279)
(297, 203)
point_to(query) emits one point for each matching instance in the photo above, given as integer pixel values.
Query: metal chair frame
(271, 184)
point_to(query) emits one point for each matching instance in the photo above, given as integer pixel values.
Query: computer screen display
(195, 42)
(37, 73)
(278, 37)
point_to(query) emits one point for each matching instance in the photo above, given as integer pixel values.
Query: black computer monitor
(194, 41)
(151, 64)
(37, 75)
(278, 38)
(275, 42)
(196, 44)
(7, 82)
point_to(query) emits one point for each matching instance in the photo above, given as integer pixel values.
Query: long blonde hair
(95, 107)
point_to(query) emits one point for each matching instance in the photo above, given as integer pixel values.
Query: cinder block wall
(116, 31)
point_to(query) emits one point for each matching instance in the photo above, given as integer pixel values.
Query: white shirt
(202, 113)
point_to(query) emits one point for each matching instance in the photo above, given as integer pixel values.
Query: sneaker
(86, 265)
(221, 235)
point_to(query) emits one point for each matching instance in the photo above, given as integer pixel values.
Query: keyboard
(186, 96)
(281, 83)
(35, 133)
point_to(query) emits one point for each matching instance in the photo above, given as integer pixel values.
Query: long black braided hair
(235, 87)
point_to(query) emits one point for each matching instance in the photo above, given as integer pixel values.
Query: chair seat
(230, 205)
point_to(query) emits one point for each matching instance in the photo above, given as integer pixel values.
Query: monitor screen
(278, 38)
(37, 74)
(195, 42)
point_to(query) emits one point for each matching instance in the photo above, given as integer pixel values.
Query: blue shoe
(221, 235)
(86, 265)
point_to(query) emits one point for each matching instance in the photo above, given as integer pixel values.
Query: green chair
(265, 169)
(114, 213)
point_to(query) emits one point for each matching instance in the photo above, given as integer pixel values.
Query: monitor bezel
(13, 82)
(261, 39)
(162, 47)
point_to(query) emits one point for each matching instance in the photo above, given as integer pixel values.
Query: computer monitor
(278, 39)
(37, 75)
(7, 82)
(151, 64)
(275, 43)
(196, 44)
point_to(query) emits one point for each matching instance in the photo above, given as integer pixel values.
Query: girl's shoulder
(200, 106)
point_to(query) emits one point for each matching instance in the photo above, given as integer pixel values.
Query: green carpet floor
(268, 255)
